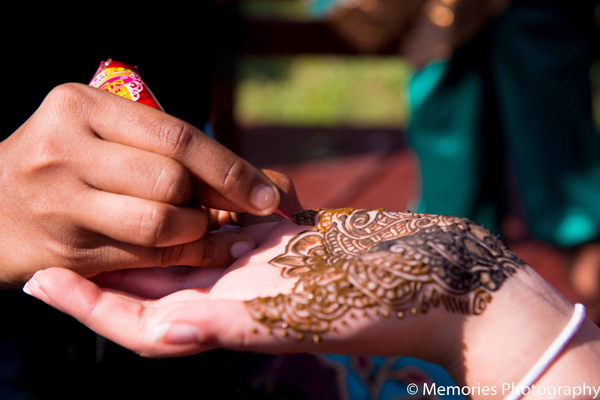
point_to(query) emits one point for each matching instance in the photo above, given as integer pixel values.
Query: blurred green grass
(595, 78)
(334, 91)
(323, 91)
(292, 10)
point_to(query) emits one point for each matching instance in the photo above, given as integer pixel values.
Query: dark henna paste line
(306, 217)
(384, 262)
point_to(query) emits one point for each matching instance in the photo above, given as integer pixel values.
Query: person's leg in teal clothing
(525, 79)
(540, 62)
(454, 132)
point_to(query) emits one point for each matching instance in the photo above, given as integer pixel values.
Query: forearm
(500, 346)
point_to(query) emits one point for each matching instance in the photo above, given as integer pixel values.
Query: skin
(356, 262)
(209, 309)
(93, 182)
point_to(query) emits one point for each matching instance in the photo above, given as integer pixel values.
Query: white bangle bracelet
(550, 355)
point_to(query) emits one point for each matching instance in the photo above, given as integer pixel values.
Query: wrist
(501, 345)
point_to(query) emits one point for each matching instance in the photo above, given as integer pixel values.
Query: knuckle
(142, 336)
(69, 252)
(151, 225)
(234, 175)
(167, 256)
(174, 136)
(66, 97)
(64, 92)
(173, 184)
(47, 153)
(57, 129)
(74, 248)
(207, 254)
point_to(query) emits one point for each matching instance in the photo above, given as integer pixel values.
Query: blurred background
(319, 92)
(329, 91)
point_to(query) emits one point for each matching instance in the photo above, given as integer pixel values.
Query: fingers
(228, 324)
(188, 322)
(289, 199)
(140, 325)
(212, 250)
(126, 170)
(218, 169)
(139, 221)
(225, 324)
(122, 319)
(154, 283)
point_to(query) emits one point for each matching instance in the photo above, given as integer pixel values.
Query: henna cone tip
(283, 214)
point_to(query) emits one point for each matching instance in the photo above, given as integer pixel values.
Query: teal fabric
(10, 372)
(387, 378)
(446, 134)
(518, 96)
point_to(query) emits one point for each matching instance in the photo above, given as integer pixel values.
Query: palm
(212, 300)
(130, 299)
(249, 277)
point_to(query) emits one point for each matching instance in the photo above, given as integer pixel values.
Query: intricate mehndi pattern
(385, 262)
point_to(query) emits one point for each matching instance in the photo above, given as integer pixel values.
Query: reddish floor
(378, 180)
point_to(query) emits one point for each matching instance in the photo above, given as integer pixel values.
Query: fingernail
(176, 334)
(240, 248)
(31, 281)
(263, 197)
(227, 228)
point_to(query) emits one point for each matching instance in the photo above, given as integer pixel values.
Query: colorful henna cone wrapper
(123, 80)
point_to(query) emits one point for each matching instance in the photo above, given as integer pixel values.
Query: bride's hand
(246, 306)
(369, 282)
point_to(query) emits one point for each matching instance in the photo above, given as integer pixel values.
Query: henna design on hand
(385, 262)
